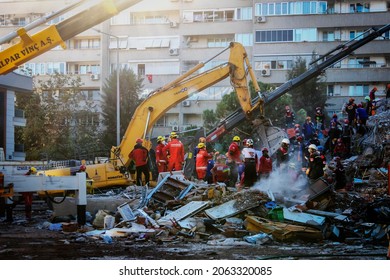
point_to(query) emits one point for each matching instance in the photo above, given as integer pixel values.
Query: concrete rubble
(180, 210)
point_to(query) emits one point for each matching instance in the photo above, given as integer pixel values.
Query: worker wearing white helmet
(282, 156)
(316, 164)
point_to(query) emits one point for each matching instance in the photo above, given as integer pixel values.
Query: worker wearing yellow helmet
(175, 150)
(161, 158)
(202, 159)
(234, 158)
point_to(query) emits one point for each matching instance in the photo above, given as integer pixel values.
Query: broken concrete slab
(229, 209)
(303, 218)
(183, 212)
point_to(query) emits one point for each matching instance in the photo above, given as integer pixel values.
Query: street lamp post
(118, 108)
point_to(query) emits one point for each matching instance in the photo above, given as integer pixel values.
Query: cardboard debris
(282, 231)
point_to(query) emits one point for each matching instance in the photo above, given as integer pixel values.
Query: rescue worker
(233, 159)
(333, 134)
(346, 135)
(308, 128)
(339, 174)
(140, 155)
(372, 94)
(161, 157)
(265, 164)
(220, 171)
(175, 150)
(202, 161)
(28, 196)
(361, 119)
(282, 156)
(250, 164)
(289, 118)
(368, 105)
(340, 150)
(319, 119)
(350, 109)
(316, 164)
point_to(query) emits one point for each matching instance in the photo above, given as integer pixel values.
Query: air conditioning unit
(186, 103)
(95, 77)
(173, 24)
(175, 128)
(174, 51)
(261, 19)
(266, 72)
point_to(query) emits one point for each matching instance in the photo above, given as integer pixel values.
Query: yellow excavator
(115, 171)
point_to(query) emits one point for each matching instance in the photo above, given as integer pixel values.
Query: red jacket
(175, 149)
(234, 152)
(139, 154)
(160, 155)
(202, 159)
(265, 165)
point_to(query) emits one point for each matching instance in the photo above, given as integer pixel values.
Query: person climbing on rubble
(319, 119)
(175, 150)
(161, 157)
(372, 94)
(233, 160)
(333, 134)
(346, 135)
(350, 110)
(140, 155)
(308, 129)
(289, 118)
(340, 150)
(316, 164)
(28, 196)
(361, 120)
(250, 164)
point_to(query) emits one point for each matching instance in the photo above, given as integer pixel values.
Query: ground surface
(31, 241)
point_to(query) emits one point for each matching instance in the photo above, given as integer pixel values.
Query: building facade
(160, 40)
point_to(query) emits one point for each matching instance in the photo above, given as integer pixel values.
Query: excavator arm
(55, 35)
(160, 101)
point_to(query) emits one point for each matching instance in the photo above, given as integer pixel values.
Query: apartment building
(159, 40)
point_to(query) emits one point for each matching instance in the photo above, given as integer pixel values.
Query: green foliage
(130, 89)
(62, 122)
(309, 95)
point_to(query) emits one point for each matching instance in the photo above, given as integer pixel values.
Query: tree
(62, 121)
(309, 95)
(130, 89)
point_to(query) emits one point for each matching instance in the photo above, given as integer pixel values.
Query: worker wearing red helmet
(372, 94)
(140, 155)
(175, 150)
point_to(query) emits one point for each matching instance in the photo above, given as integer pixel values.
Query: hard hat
(339, 140)
(264, 150)
(360, 105)
(312, 147)
(201, 145)
(249, 142)
(351, 99)
(173, 134)
(160, 138)
(139, 140)
(202, 140)
(346, 121)
(83, 167)
(33, 170)
(320, 148)
(286, 141)
(236, 139)
(367, 98)
(374, 89)
(297, 125)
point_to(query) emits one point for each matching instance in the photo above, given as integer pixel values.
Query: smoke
(283, 183)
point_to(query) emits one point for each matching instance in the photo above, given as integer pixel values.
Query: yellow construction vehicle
(115, 171)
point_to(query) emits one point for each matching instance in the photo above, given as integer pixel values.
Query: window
(244, 13)
(141, 69)
(328, 36)
(291, 8)
(245, 39)
(358, 90)
(219, 42)
(297, 35)
(330, 90)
